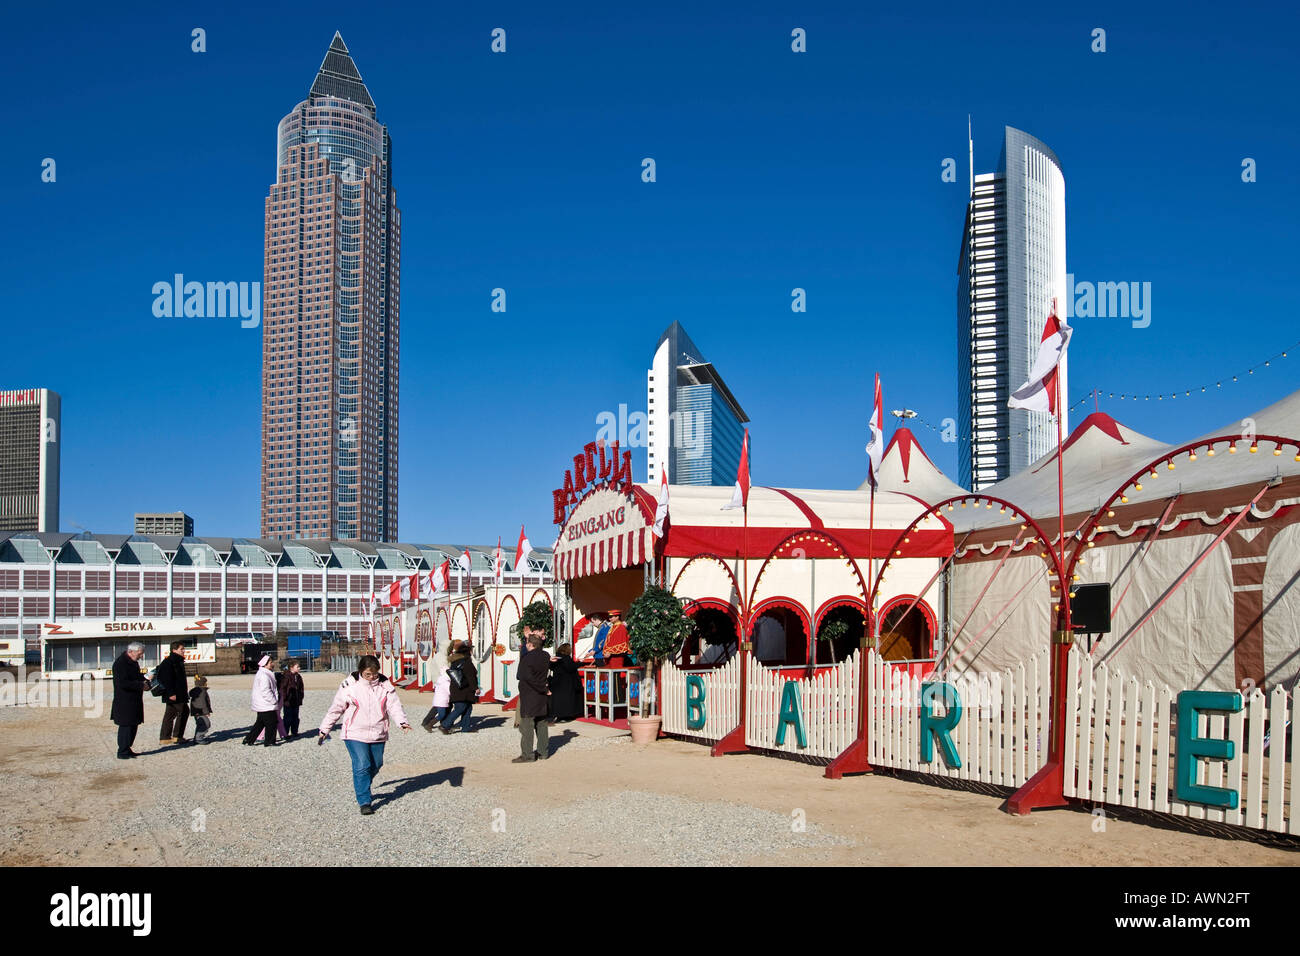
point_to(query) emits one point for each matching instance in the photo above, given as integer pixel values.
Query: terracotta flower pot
(645, 730)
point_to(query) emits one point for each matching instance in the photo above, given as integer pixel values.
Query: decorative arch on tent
(1248, 609)
(1027, 524)
(840, 600)
(715, 559)
(426, 637)
(481, 612)
(459, 609)
(509, 599)
(1091, 527)
(811, 539)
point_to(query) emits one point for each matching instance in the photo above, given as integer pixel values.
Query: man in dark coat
(533, 694)
(176, 695)
(128, 698)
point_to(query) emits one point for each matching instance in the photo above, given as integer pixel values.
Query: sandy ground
(61, 788)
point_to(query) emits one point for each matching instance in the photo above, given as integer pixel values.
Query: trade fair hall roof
(210, 553)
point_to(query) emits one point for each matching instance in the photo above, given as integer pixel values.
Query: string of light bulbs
(1049, 423)
(1188, 391)
(1094, 394)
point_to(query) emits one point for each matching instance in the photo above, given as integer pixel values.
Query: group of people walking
(454, 693)
(276, 701)
(170, 683)
(366, 701)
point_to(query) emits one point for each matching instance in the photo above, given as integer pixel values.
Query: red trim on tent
(685, 542)
(1098, 420)
(814, 521)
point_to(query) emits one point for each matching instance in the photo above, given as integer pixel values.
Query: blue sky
(775, 170)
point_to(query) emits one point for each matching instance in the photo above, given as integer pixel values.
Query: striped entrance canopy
(607, 530)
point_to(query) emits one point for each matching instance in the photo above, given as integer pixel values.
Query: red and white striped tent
(804, 550)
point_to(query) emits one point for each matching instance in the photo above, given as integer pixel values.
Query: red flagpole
(1046, 788)
(734, 741)
(871, 569)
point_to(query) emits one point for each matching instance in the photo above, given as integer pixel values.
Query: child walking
(201, 709)
(441, 702)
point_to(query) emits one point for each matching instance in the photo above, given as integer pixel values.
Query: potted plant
(656, 628)
(537, 616)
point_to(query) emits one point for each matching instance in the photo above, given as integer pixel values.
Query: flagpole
(1046, 788)
(871, 570)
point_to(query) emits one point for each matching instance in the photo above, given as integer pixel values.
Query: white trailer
(84, 650)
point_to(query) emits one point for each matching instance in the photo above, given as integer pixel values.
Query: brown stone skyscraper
(330, 329)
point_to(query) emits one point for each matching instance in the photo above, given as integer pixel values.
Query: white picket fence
(1000, 739)
(721, 699)
(828, 709)
(1120, 739)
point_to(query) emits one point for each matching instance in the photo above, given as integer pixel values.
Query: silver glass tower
(1012, 266)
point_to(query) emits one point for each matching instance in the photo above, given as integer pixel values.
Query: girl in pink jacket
(366, 700)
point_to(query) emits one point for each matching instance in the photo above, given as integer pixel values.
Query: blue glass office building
(695, 426)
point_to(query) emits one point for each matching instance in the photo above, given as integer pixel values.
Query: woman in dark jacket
(292, 693)
(464, 687)
(566, 686)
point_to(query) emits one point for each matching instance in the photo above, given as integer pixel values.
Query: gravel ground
(447, 800)
(220, 803)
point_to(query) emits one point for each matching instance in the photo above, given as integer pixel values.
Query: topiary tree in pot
(537, 616)
(656, 628)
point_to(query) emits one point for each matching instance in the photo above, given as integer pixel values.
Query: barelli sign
(595, 466)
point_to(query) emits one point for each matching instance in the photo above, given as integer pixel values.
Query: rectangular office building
(29, 460)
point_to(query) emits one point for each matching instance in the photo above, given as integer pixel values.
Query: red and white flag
(661, 509)
(374, 605)
(1039, 393)
(413, 587)
(427, 589)
(522, 551)
(498, 562)
(464, 562)
(740, 494)
(394, 594)
(439, 576)
(876, 446)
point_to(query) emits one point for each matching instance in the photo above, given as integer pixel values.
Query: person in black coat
(566, 686)
(533, 694)
(463, 694)
(128, 698)
(292, 694)
(176, 695)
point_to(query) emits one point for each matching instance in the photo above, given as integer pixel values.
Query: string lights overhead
(1189, 391)
(1128, 396)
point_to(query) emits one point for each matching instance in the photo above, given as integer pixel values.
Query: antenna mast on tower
(970, 142)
